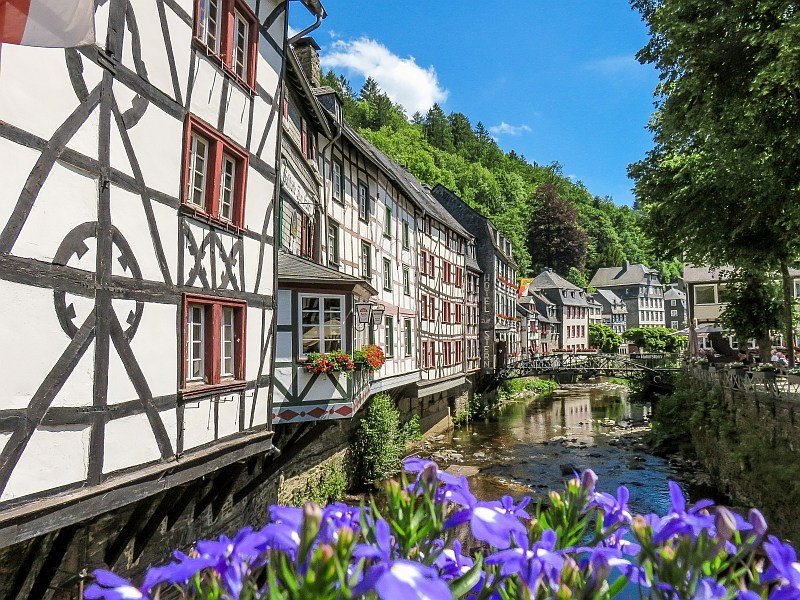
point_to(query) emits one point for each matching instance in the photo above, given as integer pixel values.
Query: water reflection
(528, 445)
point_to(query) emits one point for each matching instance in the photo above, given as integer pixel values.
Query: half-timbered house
(136, 256)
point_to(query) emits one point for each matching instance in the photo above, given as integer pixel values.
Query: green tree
(722, 183)
(577, 277)
(604, 338)
(437, 129)
(655, 339)
(754, 309)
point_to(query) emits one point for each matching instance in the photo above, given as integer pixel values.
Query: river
(530, 444)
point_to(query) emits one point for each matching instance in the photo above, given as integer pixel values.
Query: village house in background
(572, 309)
(498, 310)
(547, 317)
(595, 309)
(639, 287)
(675, 307)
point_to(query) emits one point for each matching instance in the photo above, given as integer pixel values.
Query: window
(229, 31)
(295, 228)
(406, 281)
(673, 324)
(423, 301)
(363, 201)
(214, 175)
(387, 274)
(705, 294)
(304, 137)
(423, 262)
(673, 313)
(321, 319)
(445, 312)
(337, 182)
(389, 335)
(432, 308)
(459, 276)
(408, 336)
(213, 341)
(445, 271)
(366, 260)
(406, 236)
(458, 313)
(431, 266)
(333, 243)
(387, 222)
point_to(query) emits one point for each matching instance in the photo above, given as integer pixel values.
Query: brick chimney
(307, 52)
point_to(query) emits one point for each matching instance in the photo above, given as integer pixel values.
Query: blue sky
(558, 81)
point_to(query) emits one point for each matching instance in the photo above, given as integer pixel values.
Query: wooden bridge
(585, 366)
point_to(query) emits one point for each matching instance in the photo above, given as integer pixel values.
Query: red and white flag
(47, 23)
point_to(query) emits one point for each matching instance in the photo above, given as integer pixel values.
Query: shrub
(330, 486)
(380, 440)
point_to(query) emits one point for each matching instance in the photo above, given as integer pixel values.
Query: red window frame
(431, 265)
(458, 313)
(446, 312)
(212, 341)
(227, 32)
(423, 259)
(432, 308)
(219, 145)
(424, 307)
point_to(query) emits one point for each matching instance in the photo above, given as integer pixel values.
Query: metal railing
(777, 384)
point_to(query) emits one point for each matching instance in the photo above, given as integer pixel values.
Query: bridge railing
(778, 385)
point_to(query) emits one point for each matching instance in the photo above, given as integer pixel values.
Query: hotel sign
(291, 185)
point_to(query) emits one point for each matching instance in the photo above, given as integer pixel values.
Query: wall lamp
(368, 314)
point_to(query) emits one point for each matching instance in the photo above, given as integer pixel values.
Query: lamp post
(368, 314)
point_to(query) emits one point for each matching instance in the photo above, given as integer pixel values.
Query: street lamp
(368, 313)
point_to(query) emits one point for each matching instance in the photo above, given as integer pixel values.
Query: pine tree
(461, 132)
(437, 129)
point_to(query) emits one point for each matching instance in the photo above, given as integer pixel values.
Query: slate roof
(548, 280)
(614, 302)
(295, 268)
(472, 264)
(625, 275)
(674, 293)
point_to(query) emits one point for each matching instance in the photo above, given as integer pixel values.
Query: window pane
(199, 168)
(240, 45)
(227, 342)
(195, 344)
(210, 24)
(226, 192)
(704, 294)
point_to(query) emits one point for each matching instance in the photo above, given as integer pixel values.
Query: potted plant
(764, 373)
(370, 358)
(703, 363)
(330, 362)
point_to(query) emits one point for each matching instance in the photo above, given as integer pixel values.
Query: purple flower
(451, 563)
(400, 578)
(615, 509)
(682, 521)
(783, 565)
(758, 521)
(419, 465)
(534, 564)
(709, 589)
(335, 517)
(506, 505)
(588, 481)
(232, 558)
(109, 586)
(602, 559)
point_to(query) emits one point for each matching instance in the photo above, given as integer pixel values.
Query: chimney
(307, 52)
(626, 265)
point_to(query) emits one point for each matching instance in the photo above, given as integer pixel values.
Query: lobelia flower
(682, 521)
(233, 558)
(535, 564)
(488, 522)
(603, 560)
(615, 509)
(506, 504)
(451, 563)
(709, 589)
(783, 568)
(396, 578)
(109, 586)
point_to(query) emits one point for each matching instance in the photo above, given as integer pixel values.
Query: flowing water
(533, 445)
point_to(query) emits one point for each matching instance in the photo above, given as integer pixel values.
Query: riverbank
(748, 446)
(532, 444)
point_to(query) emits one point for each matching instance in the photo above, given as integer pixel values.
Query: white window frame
(194, 172)
(204, 28)
(241, 57)
(321, 324)
(228, 335)
(227, 188)
(191, 356)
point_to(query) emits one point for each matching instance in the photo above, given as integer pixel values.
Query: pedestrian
(774, 356)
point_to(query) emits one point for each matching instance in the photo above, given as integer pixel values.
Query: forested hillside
(551, 220)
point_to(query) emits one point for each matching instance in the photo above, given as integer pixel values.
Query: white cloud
(407, 83)
(615, 65)
(505, 129)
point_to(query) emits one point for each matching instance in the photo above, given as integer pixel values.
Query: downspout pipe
(320, 16)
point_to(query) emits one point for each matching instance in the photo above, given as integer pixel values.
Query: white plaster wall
(51, 218)
(30, 326)
(158, 360)
(54, 456)
(129, 442)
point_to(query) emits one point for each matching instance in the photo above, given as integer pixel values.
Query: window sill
(198, 390)
(199, 214)
(219, 60)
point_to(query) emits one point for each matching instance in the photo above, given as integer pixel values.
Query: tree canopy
(722, 184)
